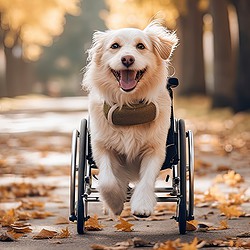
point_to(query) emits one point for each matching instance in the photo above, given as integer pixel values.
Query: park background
(42, 57)
(43, 44)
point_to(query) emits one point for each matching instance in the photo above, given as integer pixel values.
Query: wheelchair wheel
(182, 211)
(81, 175)
(190, 215)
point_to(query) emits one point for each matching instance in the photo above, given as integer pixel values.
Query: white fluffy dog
(126, 75)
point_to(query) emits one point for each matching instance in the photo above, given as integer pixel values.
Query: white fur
(127, 154)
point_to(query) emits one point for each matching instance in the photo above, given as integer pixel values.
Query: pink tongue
(127, 81)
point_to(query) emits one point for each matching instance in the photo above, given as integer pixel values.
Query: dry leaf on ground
(18, 190)
(6, 237)
(45, 234)
(8, 218)
(190, 246)
(230, 211)
(41, 214)
(130, 243)
(28, 204)
(124, 225)
(92, 224)
(61, 220)
(63, 234)
(167, 245)
(237, 243)
(25, 228)
(231, 178)
(191, 225)
(223, 226)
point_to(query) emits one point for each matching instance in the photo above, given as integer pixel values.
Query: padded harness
(129, 115)
(141, 113)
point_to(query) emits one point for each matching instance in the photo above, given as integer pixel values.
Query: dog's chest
(129, 141)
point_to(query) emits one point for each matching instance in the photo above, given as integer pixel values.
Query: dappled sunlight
(36, 22)
(42, 64)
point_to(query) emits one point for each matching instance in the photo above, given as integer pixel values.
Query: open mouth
(128, 79)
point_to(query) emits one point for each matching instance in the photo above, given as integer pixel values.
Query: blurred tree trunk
(243, 70)
(223, 92)
(18, 76)
(191, 50)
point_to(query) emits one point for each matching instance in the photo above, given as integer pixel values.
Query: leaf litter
(124, 225)
(224, 142)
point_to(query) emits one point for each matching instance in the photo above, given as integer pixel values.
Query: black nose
(127, 60)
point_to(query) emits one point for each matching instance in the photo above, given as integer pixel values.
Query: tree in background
(187, 16)
(25, 27)
(62, 62)
(224, 77)
(242, 85)
(191, 62)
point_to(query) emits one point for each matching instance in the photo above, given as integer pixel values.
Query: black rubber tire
(81, 175)
(182, 216)
(190, 215)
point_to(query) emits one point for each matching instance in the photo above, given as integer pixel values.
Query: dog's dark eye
(140, 46)
(115, 46)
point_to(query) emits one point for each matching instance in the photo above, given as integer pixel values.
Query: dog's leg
(112, 190)
(143, 199)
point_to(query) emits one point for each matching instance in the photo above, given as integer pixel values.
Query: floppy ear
(97, 44)
(163, 40)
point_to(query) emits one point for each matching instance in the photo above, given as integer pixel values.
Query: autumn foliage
(33, 24)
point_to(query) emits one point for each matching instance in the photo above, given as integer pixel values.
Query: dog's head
(129, 64)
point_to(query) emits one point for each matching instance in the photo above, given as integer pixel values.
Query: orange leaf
(8, 218)
(230, 211)
(15, 235)
(45, 234)
(191, 246)
(41, 214)
(63, 234)
(92, 224)
(124, 225)
(6, 237)
(168, 245)
(191, 225)
(223, 226)
(61, 220)
(24, 229)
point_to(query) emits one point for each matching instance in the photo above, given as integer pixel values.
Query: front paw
(142, 205)
(113, 197)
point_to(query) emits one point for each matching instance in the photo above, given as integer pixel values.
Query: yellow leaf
(191, 246)
(124, 225)
(168, 245)
(230, 211)
(191, 225)
(232, 178)
(92, 224)
(8, 218)
(223, 226)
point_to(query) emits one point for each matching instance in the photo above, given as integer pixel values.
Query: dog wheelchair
(179, 158)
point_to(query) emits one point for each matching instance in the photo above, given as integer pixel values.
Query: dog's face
(129, 64)
(128, 55)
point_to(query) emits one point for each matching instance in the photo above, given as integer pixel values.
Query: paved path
(35, 137)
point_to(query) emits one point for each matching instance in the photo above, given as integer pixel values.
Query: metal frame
(174, 191)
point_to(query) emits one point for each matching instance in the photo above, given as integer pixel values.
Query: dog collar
(129, 115)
